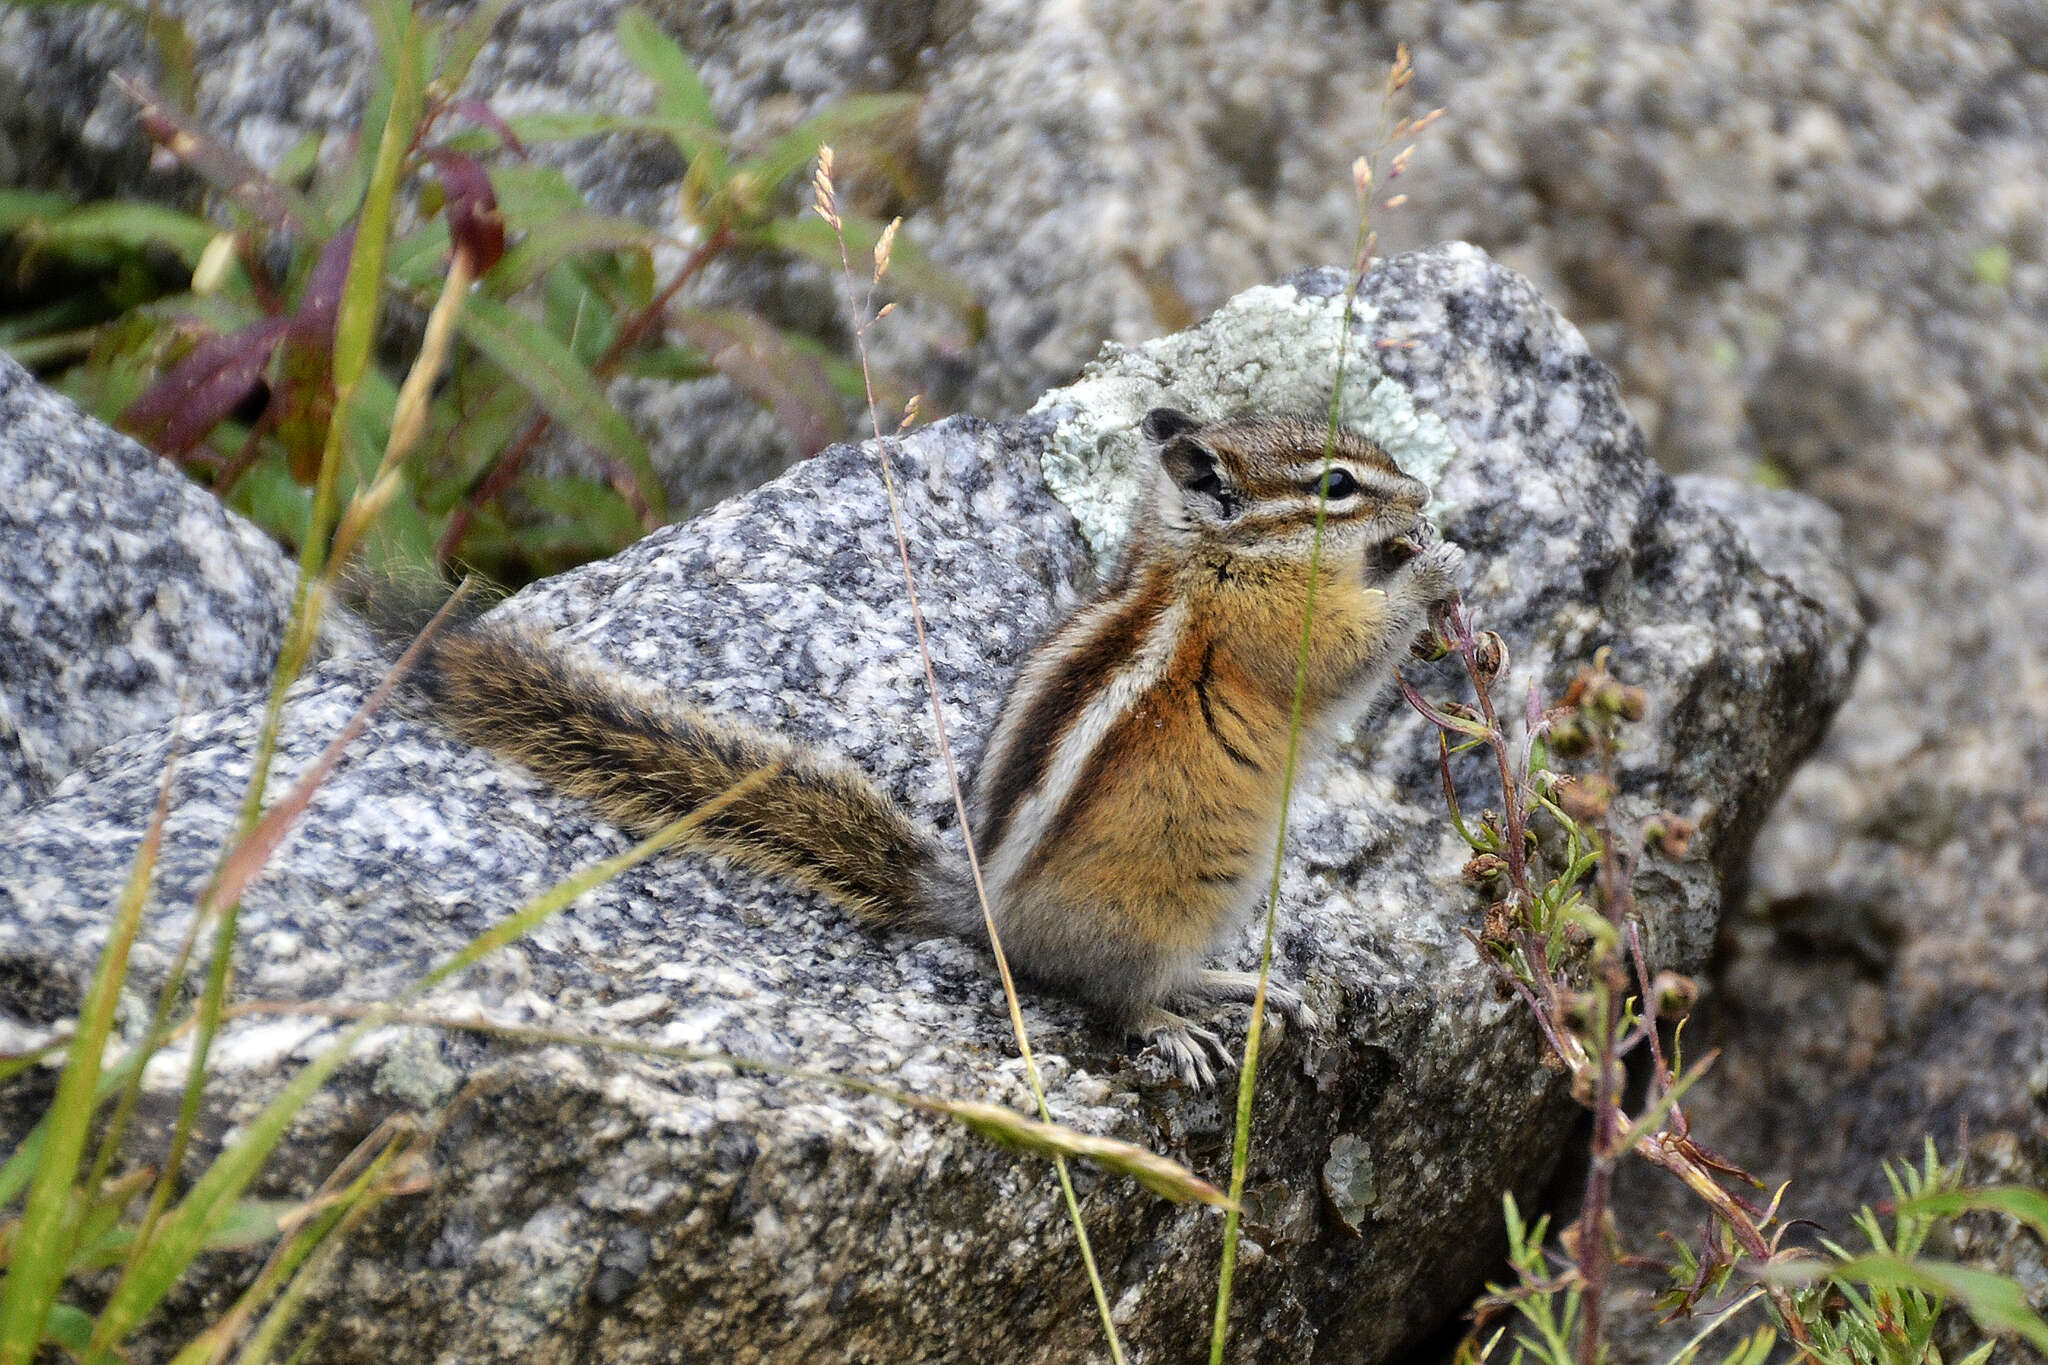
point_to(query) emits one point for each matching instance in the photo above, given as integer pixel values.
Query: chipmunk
(1127, 805)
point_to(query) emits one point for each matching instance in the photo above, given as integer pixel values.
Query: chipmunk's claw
(1195, 1053)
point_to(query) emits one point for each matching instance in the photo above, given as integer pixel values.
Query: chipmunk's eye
(1335, 485)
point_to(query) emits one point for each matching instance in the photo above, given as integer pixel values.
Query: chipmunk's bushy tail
(644, 764)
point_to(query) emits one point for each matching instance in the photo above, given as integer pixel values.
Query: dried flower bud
(1361, 175)
(474, 224)
(1670, 836)
(1483, 867)
(910, 412)
(1500, 922)
(1676, 994)
(1490, 657)
(1395, 202)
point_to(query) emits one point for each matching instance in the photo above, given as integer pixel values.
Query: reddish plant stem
(1670, 1148)
(499, 475)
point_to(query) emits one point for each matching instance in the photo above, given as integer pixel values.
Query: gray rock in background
(126, 591)
(604, 1206)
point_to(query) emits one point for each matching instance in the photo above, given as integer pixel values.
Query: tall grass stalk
(1248, 1075)
(1398, 76)
(354, 334)
(825, 202)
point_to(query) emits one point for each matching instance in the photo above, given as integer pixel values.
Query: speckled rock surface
(123, 588)
(596, 1206)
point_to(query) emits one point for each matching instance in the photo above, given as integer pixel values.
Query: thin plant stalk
(1248, 1074)
(826, 207)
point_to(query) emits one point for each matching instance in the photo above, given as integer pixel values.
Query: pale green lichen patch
(1270, 349)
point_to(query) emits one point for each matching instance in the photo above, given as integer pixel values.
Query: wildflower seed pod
(1500, 922)
(1568, 739)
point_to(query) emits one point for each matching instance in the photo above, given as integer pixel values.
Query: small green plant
(1562, 934)
(210, 335)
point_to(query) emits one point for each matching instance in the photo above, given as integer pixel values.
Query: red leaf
(180, 409)
(474, 223)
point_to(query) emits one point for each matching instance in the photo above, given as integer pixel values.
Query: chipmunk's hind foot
(1191, 1050)
(1243, 987)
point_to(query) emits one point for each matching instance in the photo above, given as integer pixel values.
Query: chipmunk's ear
(1163, 424)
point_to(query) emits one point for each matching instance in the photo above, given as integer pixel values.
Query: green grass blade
(854, 118)
(42, 1241)
(545, 367)
(184, 1233)
(131, 226)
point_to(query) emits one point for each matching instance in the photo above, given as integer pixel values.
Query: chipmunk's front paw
(1191, 1050)
(1434, 572)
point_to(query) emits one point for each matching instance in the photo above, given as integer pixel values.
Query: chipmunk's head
(1254, 483)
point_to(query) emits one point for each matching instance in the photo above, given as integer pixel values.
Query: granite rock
(126, 592)
(589, 1204)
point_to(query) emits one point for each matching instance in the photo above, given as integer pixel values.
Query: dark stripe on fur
(1242, 759)
(1058, 704)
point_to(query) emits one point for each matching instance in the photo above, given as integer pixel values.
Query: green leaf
(756, 356)
(69, 1327)
(250, 1223)
(676, 364)
(2029, 1206)
(681, 96)
(546, 369)
(131, 226)
(1995, 1301)
(556, 239)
